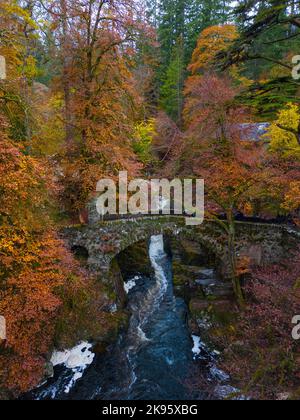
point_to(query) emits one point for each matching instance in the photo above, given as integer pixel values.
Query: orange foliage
(33, 265)
(28, 302)
(101, 101)
(212, 41)
(239, 175)
(90, 121)
(105, 129)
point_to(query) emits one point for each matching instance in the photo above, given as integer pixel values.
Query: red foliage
(269, 360)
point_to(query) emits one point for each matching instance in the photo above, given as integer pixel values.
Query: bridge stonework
(262, 243)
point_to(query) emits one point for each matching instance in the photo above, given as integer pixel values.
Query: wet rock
(118, 281)
(193, 252)
(49, 370)
(206, 282)
(197, 306)
(227, 392)
(219, 290)
(193, 326)
(238, 344)
(224, 306)
(207, 273)
(135, 259)
(193, 270)
(100, 348)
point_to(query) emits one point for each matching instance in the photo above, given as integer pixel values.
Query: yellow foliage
(13, 45)
(144, 133)
(283, 141)
(30, 67)
(48, 140)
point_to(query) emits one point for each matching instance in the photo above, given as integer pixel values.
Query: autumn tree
(39, 277)
(282, 138)
(212, 40)
(144, 134)
(240, 176)
(165, 143)
(102, 103)
(179, 24)
(214, 148)
(146, 61)
(26, 285)
(40, 281)
(284, 132)
(17, 37)
(186, 20)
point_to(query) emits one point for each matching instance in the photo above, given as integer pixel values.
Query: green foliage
(267, 98)
(268, 31)
(171, 99)
(269, 38)
(179, 25)
(171, 28)
(186, 19)
(142, 146)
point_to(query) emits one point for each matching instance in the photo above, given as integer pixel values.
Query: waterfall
(145, 308)
(157, 256)
(154, 358)
(156, 292)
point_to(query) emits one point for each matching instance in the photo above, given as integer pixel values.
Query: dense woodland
(155, 88)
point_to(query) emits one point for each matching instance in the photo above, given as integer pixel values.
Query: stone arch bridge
(103, 241)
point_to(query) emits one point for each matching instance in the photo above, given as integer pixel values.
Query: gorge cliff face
(197, 279)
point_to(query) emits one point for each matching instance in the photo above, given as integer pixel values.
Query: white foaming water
(157, 253)
(142, 335)
(223, 390)
(157, 248)
(130, 284)
(79, 356)
(197, 345)
(151, 301)
(156, 293)
(76, 359)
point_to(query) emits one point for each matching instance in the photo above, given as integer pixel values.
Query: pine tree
(171, 27)
(269, 37)
(200, 15)
(187, 18)
(172, 90)
(183, 20)
(268, 31)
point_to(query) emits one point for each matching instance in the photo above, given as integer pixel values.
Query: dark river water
(154, 360)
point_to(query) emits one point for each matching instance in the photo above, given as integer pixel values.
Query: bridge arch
(262, 243)
(104, 241)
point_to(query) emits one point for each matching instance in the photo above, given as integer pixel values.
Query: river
(156, 359)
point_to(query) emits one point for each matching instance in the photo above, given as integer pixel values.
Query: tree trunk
(232, 259)
(66, 80)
